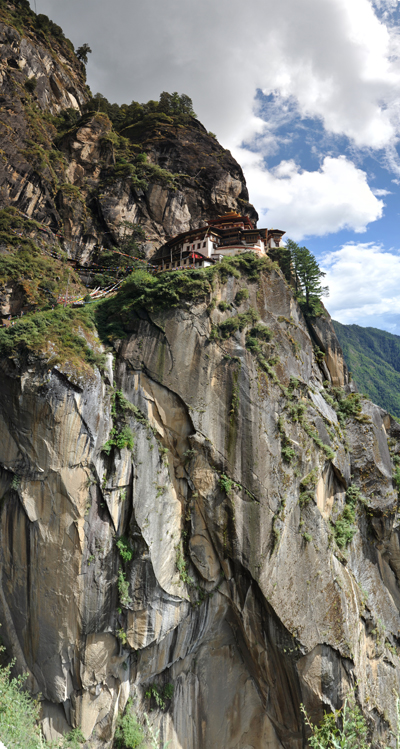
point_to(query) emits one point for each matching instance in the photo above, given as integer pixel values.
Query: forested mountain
(373, 357)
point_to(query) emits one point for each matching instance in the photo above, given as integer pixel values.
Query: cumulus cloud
(336, 196)
(363, 282)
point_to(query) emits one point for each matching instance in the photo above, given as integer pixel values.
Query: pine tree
(176, 104)
(307, 277)
(83, 52)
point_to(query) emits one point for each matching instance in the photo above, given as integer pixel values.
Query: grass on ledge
(63, 335)
(66, 335)
(171, 289)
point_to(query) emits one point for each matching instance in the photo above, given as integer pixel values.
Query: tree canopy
(83, 52)
(19, 714)
(179, 107)
(176, 104)
(307, 277)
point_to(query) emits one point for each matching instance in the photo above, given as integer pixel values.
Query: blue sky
(358, 263)
(306, 95)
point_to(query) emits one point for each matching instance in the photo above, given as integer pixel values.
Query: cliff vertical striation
(181, 520)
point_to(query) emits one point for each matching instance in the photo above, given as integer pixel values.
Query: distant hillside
(373, 357)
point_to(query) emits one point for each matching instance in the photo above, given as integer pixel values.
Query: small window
(204, 244)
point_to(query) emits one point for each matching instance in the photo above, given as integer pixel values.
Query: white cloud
(335, 197)
(363, 282)
(336, 58)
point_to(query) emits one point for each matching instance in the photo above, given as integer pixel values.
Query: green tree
(307, 278)
(83, 52)
(176, 104)
(19, 713)
(128, 734)
(343, 729)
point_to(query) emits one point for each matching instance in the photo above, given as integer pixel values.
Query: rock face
(323, 332)
(233, 589)
(30, 169)
(211, 182)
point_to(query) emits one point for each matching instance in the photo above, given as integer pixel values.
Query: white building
(231, 234)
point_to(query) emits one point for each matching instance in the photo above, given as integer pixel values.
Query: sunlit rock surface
(241, 600)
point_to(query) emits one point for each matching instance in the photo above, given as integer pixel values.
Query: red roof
(230, 218)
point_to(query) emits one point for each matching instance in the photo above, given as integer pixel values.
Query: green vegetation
(307, 487)
(21, 17)
(170, 290)
(121, 434)
(225, 483)
(160, 695)
(119, 438)
(18, 713)
(241, 296)
(128, 733)
(343, 729)
(223, 306)
(287, 451)
(313, 433)
(234, 405)
(373, 357)
(238, 322)
(182, 567)
(115, 263)
(123, 590)
(346, 405)
(124, 549)
(396, 475)
(73, 740)
(134, 119)
(344, 528)
(31, 84)
(83, 52)
(130, 162)
(63, 334)
(41, 279)
(260, 331)
(301, 268)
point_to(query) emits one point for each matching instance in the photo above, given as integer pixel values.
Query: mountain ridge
(373, 357)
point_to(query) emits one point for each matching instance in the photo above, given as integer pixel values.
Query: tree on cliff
(307, 277)
(176, 104)
(83, 52)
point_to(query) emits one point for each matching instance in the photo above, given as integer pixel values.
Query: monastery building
(231, 234)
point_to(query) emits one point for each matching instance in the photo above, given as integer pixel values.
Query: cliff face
(207, 554)
(39, 76)
(202, 518)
